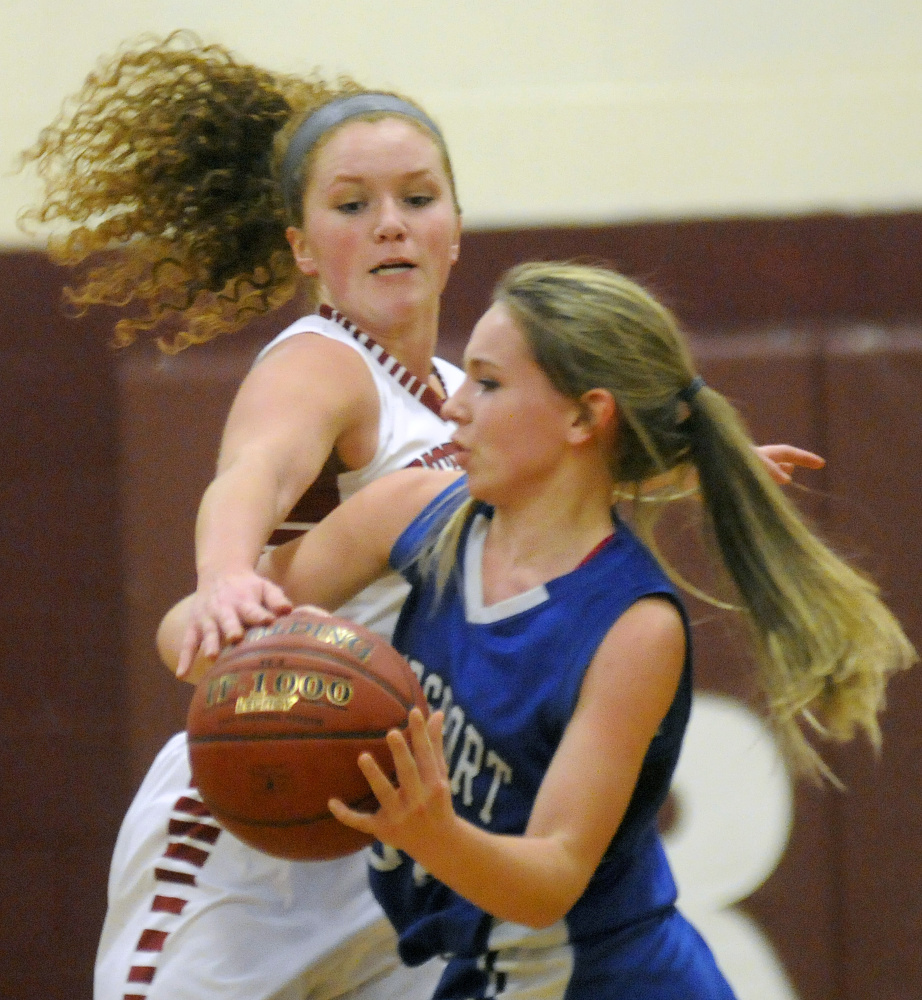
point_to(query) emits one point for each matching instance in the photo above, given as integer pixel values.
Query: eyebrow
(359, 178)
(471, 363)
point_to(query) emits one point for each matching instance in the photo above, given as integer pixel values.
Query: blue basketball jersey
(508, 677)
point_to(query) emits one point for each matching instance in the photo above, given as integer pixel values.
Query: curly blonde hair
(162, 172)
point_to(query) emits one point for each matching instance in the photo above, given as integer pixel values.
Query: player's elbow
(542, 904)
(539, 913)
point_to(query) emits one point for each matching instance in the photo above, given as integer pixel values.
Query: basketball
(276, 726)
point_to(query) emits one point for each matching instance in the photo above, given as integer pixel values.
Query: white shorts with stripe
(194, 914)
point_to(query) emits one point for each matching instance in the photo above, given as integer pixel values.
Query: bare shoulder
(639, 663)
(322, 362)
(308, 390)
(653, 627)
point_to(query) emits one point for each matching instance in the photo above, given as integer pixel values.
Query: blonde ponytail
(825, 643)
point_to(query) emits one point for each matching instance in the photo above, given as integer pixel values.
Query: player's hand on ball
(265, 732)
(222, 610)
(412, 812)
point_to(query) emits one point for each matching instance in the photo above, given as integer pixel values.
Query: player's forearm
(527, 880)
(237, 514)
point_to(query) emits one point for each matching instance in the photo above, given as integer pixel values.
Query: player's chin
(480, 484)
(493, 491)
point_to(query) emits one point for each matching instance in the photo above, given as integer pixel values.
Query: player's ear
(299, 248)
(596, 414)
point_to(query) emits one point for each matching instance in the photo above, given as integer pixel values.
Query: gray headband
(327, 117)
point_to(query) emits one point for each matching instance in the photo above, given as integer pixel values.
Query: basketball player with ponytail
(204, 191)
(521, 839)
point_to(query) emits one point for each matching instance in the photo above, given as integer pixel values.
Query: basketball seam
(361, 734)
(300, 821)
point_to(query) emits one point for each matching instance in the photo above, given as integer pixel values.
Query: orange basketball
(276, 727)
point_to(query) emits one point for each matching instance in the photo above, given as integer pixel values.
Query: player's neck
(540, 541)
(411, 340)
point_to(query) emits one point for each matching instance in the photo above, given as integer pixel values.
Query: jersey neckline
(478, 613)
(420, 391)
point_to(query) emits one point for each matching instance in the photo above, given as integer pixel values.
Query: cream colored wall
(588, 111)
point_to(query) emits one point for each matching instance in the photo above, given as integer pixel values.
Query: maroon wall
(813, 325)
(64, 747)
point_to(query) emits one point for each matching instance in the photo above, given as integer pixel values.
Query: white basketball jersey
(410, 432)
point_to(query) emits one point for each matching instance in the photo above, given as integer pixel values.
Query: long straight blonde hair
(824, 642)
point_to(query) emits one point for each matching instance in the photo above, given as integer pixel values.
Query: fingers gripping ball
(276, 727)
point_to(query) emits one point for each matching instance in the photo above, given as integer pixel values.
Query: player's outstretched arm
(351, 547)
(272, 449)
(325, 567)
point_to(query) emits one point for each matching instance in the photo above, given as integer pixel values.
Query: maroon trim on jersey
(322, 495)
(152, 940)
(194, 830)
(418, 390)
(180, 878)
(186, 852)
(194, 807)
(180, 828)
(318, 500)
(598, 548)
(168, 904)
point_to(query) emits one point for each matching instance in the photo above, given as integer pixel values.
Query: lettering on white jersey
(442, 457)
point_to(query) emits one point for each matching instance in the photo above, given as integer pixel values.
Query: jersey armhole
(430, 520)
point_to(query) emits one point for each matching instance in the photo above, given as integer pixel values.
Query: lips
(393, 267)
(460, 454)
